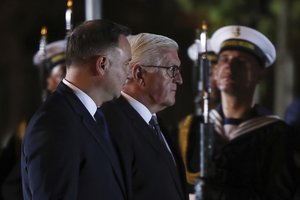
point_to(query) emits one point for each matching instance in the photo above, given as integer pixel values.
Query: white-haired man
(150, 163)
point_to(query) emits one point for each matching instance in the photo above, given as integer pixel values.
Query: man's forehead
(170, 56)
(236, 53)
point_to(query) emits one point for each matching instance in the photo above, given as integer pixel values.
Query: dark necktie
(100, 119)
(101, 122)
(154, 123)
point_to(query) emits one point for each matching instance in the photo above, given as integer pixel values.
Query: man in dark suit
(150, 163)
(67, 151)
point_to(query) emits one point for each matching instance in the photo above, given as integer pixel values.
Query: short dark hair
(91, 38)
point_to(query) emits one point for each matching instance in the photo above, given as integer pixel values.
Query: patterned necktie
(154, 123)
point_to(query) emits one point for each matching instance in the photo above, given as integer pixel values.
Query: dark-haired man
(67, 151)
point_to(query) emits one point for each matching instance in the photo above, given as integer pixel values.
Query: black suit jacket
(64, 155)
(149, 170)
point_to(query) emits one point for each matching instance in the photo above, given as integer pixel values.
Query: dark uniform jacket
(260, 160)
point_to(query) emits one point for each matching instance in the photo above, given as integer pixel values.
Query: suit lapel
(178, 176)
(94, 130)
(109, 150)
(173, 168)
(138, 122)
(144, 129)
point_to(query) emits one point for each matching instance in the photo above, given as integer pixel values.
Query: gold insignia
(236, 32)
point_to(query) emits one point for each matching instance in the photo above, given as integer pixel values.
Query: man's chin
(171, 103)
(112, 97)
(116, 96)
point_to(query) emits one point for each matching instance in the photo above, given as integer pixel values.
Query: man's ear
(101, 64)
(137, 73)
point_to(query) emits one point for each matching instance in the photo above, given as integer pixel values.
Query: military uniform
(256, 155)
(258, 159)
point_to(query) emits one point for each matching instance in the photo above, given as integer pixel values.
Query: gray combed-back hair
(146, 48)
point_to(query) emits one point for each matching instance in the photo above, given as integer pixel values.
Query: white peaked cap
(195, 49)
(52, 49)
(244, 38)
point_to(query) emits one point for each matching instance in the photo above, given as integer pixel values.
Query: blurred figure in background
(54, 68)
(53, 64)
(292, 115)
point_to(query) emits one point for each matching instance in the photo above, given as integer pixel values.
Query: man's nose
(178, 78)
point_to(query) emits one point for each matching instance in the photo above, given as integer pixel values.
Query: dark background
(21, 21)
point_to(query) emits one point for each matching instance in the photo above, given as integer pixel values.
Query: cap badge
(236, 32)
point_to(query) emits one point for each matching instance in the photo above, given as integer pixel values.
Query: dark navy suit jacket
(64, 155)
(148, 167)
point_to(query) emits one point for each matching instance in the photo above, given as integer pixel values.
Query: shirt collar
(256, 111)
(85, 99)
(143, 111)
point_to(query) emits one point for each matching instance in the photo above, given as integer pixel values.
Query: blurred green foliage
(258, 14)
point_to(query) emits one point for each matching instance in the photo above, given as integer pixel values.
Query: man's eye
(127, 64)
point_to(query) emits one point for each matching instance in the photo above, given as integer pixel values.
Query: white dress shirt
(85, 99)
